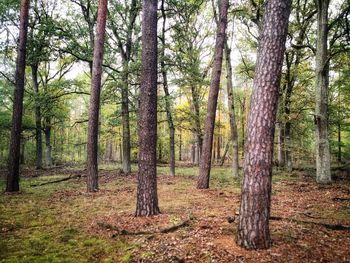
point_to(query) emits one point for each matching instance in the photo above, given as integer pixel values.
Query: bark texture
(205, 161)
(15, 140)
(93, 125)
(167, 99)
(231, 105)
(147, 198)
(253, 229)
(323, 159)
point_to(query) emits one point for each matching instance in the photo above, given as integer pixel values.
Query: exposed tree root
(59, 180)
(130, 233)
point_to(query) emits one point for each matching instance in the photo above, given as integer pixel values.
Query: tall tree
(167, 96)
(205, 162)
(253, 229)
(323, 161)
(92, 140)
(125, 46)
(231, 112)
(147, 198)
(15, 142)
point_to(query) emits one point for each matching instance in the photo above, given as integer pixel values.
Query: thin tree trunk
(125, 119)
(48, 148)
(12, 184)
(253, 229)
(280, 144)
(180, 145)
(197, 121)
(38, 135)
(167, 99)
(147, 198)
(92, 138)
(23, 144)
(205, 161)
(323, 162)
(231, 112)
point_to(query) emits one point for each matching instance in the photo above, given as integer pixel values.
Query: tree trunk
(38, 136)
(23, 144)
(125, 119)
(323, 162)
(253, 229)
(167, 99)
(12, 184)
(92, 138)
(180, 145)
(205, 161)
(197, 121)
(280, 145)
(147, 198)
(48, 149)
(231, 112)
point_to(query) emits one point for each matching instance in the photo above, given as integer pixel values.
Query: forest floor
(60, 222)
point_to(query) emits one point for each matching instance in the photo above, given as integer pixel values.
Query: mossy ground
(59, 222)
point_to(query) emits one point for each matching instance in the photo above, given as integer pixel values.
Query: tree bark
(197, 121)
(92, 138)
(231, 112)
(147, 198)
(253, 229)
(48, 149)
(323, 162)
(38, 135)
(126, 163)
(12, 184)
(205, 161)
(167, 99)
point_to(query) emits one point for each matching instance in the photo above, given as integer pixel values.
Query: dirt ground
(59, 222)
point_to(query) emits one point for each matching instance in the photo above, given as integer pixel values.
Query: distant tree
(253, 229)
(147, 198)
(15, 142)
(205, 162)
(92, 140)
(168, 102)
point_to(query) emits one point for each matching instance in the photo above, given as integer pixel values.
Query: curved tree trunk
(253, 229)
(15, 141)
(147, 198)
(93, 125)
(323, 159)
(205, 160)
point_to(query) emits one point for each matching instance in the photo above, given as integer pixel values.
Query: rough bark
(205, 160)
(323, 162)
(38, 128)
(231, 112)
(147, 198)
(167, 99)
(253, 229)
(93, 125)
(14, 153)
